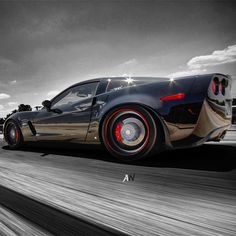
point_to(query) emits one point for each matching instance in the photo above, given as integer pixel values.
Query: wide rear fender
(146, 101)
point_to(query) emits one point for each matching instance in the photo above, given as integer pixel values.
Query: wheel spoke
(129, 131)
(132, 132)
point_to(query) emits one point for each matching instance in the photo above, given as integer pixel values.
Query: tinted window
(74, 95)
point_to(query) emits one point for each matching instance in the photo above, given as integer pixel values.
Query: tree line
(21, 107)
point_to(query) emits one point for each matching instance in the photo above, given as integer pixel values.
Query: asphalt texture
(12, 223)
(180, 192)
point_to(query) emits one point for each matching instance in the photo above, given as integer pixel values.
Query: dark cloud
(33, 24)
(47, 45)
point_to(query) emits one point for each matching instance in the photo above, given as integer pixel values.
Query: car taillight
(223, 85)
(177, 96)
(215, 86)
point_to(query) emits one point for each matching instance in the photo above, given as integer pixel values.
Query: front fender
(22, 119)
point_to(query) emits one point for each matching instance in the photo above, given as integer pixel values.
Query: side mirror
(47, 104)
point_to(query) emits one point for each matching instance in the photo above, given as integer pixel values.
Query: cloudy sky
(46, 46)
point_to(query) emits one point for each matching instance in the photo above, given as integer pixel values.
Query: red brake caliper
(117, 132)
(17, 134)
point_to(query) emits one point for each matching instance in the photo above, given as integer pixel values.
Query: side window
(74, 95)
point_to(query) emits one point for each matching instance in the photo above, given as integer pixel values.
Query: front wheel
(13, 135)
(130, 133)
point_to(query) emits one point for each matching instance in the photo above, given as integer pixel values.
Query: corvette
(132, 117)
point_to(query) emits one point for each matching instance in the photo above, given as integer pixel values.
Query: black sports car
(133, 116)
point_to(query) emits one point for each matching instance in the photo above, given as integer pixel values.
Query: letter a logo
(126, 178)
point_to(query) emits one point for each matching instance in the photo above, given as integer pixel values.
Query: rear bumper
(212, 124)
(211, 119)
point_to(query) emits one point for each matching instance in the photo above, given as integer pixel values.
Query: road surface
(181, 192)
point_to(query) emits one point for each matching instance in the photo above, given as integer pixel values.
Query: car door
(69, 116)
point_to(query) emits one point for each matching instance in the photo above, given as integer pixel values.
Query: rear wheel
(13, 135)
(130, 133)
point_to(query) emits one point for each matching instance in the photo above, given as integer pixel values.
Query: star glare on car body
(129, 80)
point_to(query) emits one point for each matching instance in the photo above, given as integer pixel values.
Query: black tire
(130, 133)
(13, 135)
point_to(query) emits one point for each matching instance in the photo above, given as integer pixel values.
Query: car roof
(117, 78)
(151, 78)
